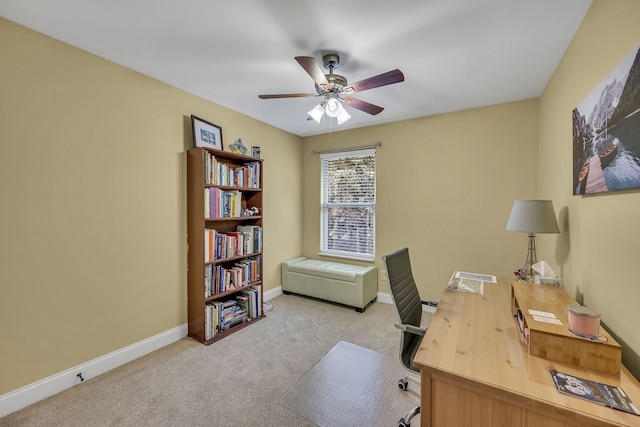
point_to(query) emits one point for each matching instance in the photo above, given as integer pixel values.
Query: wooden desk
(476, 370)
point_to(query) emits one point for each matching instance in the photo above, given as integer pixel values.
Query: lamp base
(526, 273)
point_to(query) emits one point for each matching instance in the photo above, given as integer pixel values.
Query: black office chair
(406, 299)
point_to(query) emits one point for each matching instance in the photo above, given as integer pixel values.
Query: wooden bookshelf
(555, 341)
(224, 218)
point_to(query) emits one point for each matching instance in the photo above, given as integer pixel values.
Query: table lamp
(532, 216)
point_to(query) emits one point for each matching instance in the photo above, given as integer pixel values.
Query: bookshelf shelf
(234, 218)
(225, 258)
(233, 258)
(231, 292)
(226, 187)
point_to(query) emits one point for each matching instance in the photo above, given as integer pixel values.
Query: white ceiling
(455, 54)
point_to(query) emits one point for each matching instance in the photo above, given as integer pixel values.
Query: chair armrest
(411, 329)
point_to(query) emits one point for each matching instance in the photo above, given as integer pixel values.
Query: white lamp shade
(343, 116)
(333, 107)
(533, 216)
(316, 113)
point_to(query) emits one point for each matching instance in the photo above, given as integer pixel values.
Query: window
(348, 204)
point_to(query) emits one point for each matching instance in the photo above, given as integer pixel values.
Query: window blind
(348, 204)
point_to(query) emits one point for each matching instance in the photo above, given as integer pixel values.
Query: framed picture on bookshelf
(206, 134)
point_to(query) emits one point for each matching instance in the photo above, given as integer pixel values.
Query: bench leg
(361, 310)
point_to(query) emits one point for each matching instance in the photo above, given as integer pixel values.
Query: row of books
(251, 300)
(246, 240)
(225, 174)
(221, 316)
(219, 278)
(222, 203)
(252, 237)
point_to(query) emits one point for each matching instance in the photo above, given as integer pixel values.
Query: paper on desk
(547, 320)
(466, 285)
(475, 276)
(542, 313)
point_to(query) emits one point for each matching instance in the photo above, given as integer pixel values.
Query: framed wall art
(606, 132)
(206, 134)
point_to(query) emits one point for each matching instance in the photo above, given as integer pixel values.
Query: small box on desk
(544, 325)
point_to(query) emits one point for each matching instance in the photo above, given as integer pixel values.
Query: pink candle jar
(584, 321)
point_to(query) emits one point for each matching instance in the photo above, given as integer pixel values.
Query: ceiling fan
(336, 91)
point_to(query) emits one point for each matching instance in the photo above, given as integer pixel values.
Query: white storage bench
(347, 284)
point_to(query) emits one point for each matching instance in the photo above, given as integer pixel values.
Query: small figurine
(252, 211)
(238, 147)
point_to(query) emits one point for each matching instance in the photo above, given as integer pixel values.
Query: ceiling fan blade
(287, 95)
(383, 79)
(363, 106)
(312, 67)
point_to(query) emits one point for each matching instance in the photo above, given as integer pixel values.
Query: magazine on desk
(603, 394)
(469, 282)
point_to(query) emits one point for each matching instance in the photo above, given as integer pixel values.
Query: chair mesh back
(403, 287)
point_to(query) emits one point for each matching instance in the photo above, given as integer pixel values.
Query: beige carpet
(351, 386)
(236, 381)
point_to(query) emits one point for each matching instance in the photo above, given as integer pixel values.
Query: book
(208, 280)
(252, 301)
(603, 394)
(212, 319)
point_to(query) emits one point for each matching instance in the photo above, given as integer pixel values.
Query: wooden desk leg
(425, 398)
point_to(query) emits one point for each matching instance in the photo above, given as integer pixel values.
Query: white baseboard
(386, 299)
(32, 393)
(428, 308)
(272, 293)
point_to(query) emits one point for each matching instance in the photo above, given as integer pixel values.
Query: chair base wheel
(406, 421)
(403, 384)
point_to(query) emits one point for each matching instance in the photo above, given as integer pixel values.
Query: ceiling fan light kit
(336, 91)
(332, 108)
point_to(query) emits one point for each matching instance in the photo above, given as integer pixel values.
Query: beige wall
(93, 217)
(445, 187)
(598, 248)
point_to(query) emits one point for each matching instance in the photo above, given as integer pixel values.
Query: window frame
(324, 217)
